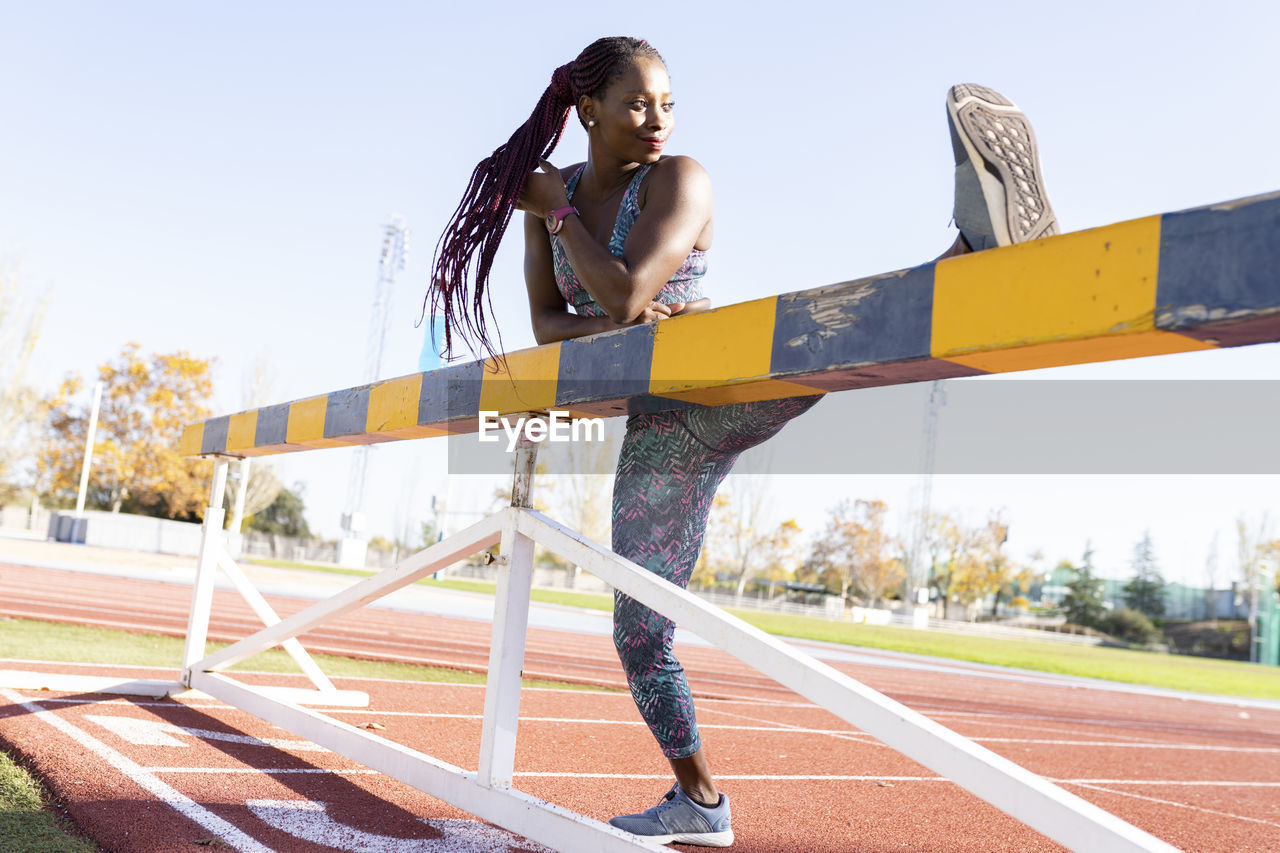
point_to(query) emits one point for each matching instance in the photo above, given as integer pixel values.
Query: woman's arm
(678, 209)
(552, 320)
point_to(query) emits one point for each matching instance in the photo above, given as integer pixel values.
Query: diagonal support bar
(1015, 790)
(475, 538)
(269, 617)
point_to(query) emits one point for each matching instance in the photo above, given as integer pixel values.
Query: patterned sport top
(684, 286)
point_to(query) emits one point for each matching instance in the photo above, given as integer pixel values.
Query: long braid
(467, 246)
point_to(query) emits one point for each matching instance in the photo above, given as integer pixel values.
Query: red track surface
(1203, 776)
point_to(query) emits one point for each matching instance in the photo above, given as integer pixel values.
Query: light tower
(391, 257)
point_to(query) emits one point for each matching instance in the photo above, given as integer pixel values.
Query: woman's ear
(587, 111)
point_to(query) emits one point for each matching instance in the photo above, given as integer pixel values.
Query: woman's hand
(703, 304)
(543, 191)
(656, 311)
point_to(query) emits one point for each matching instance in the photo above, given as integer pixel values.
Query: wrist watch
(555, 219)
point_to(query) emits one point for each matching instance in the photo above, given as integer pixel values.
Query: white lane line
(857, 737)
(735, 777)
(271, 771)
(1188, 783)
(1179, 805)
(142, 732)
(311, 822)
(1114, 745)
(1003, 722)
(1086, 720)
(184, 805)
(779, 728)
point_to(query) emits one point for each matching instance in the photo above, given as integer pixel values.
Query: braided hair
(481, 218)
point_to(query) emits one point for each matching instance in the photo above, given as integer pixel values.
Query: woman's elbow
(626, 310)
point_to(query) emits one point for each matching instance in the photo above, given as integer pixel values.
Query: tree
(742, 542)
(146, 401)
(1083, 603)
(286, 516)
(1145, 590)
(946, 540)
(855, 553)
(20, 405)
(260, 493)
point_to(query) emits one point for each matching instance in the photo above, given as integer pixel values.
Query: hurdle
(1178, 282)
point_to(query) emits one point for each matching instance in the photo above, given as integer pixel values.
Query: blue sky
(213, 177)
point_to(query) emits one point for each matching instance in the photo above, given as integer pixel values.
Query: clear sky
(213, 177)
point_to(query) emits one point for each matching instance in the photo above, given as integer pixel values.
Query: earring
(591, 123)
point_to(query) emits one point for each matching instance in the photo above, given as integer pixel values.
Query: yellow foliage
(136, 466)
(857, 553)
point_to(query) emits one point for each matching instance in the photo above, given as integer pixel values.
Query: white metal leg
(206, 569)
(506, 657)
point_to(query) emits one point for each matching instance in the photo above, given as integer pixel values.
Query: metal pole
(88, 448)
(510, 626)
(235, 538)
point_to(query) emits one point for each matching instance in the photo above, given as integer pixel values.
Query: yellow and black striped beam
(1180, 282)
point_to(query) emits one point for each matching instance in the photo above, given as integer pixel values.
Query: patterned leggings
(669, 468)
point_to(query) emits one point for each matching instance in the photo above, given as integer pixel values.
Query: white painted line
(270, 771)
(310, 822)
(1190, 783)
(783, 729)
(185, 806)
(733, 777)
(1181, 805)
(1114, 745)
(159, 733)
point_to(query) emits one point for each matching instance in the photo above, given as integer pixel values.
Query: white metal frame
(488, 793)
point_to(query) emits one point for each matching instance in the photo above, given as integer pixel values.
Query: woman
(622, 239)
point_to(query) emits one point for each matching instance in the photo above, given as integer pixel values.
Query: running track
(145, 775)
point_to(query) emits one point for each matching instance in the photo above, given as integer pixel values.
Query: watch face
(553, 224)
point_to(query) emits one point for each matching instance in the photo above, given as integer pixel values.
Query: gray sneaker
(1000, 195)
(676, 818)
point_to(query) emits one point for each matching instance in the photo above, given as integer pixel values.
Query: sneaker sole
(993, 132)
(701, 839)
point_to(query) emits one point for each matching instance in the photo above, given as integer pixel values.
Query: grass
(28, 823)
(586, 600)
(54, 641)
(1152, 669)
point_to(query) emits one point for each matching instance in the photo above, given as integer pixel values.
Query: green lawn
(1178, 672)
(33, 640)
(28, 823)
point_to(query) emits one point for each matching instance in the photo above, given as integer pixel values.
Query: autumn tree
(742, 541)
(946, 541)
(146, 401)
(856, 554)
(261, 490)
(20, 405)
(980, 567)
(1145, 590)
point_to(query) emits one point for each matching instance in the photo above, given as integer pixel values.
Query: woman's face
(636, 114)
